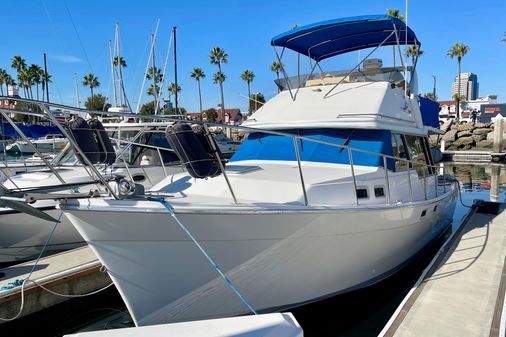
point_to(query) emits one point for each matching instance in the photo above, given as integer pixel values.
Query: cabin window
(399, 151)
(418, 156)
(362, 193)
(379, 191)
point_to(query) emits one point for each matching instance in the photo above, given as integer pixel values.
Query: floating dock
(73, 272)
(473, 156)
(461, 293)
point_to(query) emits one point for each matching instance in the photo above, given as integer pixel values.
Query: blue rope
(19, 282)
(183, 227)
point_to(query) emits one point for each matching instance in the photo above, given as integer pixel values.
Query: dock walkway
(462, 293)
(72, 272)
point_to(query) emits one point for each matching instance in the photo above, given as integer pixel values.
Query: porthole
(424, 212)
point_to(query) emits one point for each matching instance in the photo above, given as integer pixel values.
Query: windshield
(386, 74)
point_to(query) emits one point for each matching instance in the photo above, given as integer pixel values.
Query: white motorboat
(333, 190)
(146, 162)
(52, 143)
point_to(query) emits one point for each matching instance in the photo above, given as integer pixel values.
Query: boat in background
(51, 143)
(144, 156)
(333, 190)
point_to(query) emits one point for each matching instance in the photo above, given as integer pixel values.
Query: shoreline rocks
(467, 136)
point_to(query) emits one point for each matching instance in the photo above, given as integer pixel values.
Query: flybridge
(326, 39)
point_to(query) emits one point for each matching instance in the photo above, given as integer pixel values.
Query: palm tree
(458, 50)
(119, 61)
(45, 86)
(3, 80)
(197, 74)
(172, 90)
(248, 76)
(151, 90)
(395, 13)
(276, 67)
(218, 56)
(25, 81)
(413, 51)
(18, 63)
(35, 72)
(218, 78)
(91, 81)
(154, 74)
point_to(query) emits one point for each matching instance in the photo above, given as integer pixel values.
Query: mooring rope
(23, 282)
(229, 283)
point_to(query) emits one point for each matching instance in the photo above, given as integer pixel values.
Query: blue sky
(244, 30)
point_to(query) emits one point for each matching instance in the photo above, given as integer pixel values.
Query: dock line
(22, 283)
(211, 261)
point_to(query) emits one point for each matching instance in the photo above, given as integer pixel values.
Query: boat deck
(72, 272)
(462, 293)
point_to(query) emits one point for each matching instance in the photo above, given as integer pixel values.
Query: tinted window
(399, 151)
(417, 154)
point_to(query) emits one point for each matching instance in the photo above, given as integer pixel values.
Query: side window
(399, 151)
(417, 154)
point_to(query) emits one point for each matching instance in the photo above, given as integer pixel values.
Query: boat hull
(24, 236)
(277, 259)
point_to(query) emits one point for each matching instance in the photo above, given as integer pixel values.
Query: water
(359, 313)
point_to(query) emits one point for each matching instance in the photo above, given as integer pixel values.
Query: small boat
(334, 189)
(51, 143)
(147, 161)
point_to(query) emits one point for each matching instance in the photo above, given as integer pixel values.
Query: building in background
(469, 86)
(448, 108)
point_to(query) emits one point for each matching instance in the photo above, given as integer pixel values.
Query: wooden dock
(461, 293)
(73, 272)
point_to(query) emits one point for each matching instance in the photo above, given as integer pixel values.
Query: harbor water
(359, 313)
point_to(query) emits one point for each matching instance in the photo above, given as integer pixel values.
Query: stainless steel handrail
(297, 154)
(252, 129)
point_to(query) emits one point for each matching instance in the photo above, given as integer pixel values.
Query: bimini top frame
(326, 39)
(333, 37)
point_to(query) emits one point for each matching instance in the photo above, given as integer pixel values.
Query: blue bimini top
(333, 37)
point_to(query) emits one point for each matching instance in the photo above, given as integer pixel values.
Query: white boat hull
(277, 259)
(23, 236)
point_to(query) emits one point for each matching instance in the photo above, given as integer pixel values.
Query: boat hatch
(241, 169)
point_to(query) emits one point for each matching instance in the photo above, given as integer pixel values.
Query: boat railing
(429, 170)
(95, 172)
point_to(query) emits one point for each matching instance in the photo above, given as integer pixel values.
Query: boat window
(399, 151)
(146, 155)
(418, 156)
(261, 146)
(384, 74)
(379, 191)
(362, 193)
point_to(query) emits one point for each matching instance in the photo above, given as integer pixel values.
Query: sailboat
(333, 190)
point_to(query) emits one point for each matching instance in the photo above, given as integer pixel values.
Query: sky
(75, 35)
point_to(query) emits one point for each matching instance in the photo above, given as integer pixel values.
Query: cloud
(66, 58)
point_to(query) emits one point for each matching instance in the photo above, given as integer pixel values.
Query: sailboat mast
(153, 72)
(175, 70)
(77, 91)
(112, 75)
